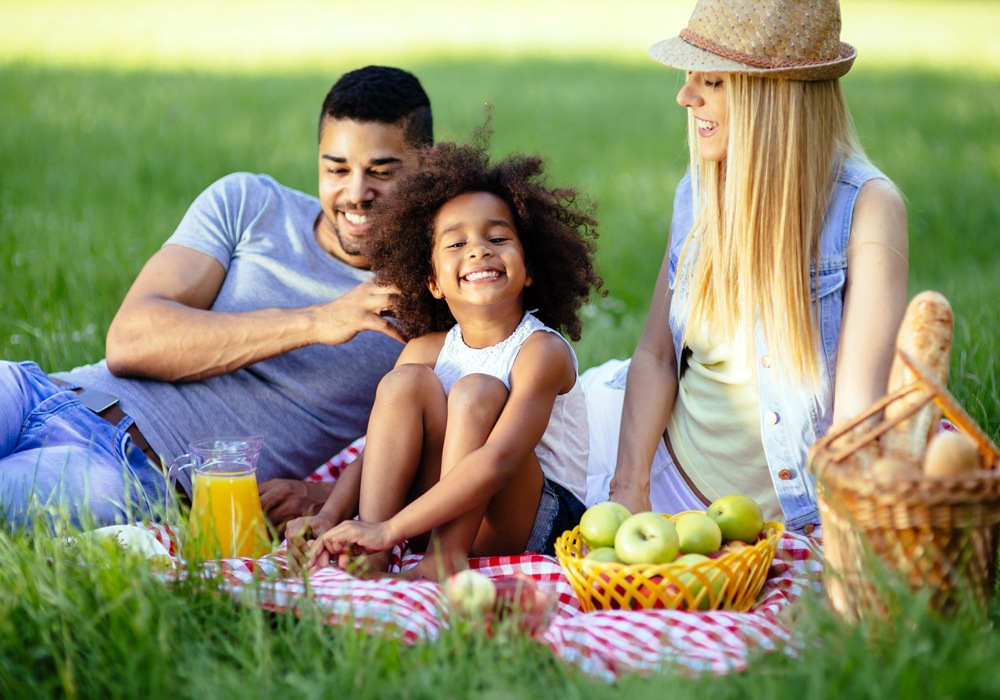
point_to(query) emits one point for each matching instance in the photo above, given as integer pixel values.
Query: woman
(784, 282)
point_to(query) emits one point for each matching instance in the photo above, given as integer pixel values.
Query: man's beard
(347, 244)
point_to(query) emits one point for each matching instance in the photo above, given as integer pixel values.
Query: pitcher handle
(181, 462)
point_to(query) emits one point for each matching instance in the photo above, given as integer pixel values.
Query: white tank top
(564, 447)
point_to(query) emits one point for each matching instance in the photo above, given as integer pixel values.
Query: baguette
(926, 335)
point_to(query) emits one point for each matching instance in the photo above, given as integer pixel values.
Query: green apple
(690, 558)
(738, 516)
(602, 554)
(695, 584)
(470, 593)
(698, 533)
(600, 522)
(646, 538)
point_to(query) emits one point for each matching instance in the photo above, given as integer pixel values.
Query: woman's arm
(649, 398)
(874, 298)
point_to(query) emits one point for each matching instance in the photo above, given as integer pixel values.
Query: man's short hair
(384, 95)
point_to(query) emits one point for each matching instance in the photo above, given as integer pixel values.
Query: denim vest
(792, 415)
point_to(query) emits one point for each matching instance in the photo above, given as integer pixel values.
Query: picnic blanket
(604, 643)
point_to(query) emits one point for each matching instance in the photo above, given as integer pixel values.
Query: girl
(784, 281)
(478, 436)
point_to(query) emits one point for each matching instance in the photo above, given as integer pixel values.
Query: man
(256, 317)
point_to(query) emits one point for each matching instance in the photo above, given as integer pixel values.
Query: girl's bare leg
(501, 526)
(403, 446)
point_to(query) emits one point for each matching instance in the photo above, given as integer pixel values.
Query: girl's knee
(478, 394)
(409, 379)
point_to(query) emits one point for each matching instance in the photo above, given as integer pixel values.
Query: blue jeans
(558, 511)
(59, 460)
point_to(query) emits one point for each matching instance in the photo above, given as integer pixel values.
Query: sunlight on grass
(227, 35)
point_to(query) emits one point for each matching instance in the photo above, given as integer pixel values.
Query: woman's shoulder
(856, 171)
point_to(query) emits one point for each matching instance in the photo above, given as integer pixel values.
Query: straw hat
(797, 39)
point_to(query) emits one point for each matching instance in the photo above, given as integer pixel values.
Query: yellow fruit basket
(731, 581)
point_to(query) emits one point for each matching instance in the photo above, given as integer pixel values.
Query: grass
(108, 134)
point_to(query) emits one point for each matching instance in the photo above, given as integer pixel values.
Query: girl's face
(704, 95)
(477, 255)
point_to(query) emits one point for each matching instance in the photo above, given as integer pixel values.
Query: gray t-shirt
(309, 403)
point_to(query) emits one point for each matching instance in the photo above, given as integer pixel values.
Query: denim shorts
(558, 511)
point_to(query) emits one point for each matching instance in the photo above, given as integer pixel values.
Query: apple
(698, 533)
(695, 584)
(602, 554)
(651, 594)
(470, 592)
(595, 559)
(602, 587)
(738, 516)
(646, 538)
(734, 546)
(600, 522)
(691, 558)
(526, 601)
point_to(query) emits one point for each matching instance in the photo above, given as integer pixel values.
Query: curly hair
(557, 235)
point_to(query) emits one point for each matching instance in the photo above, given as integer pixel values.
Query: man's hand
(364, 308)
(286, 499)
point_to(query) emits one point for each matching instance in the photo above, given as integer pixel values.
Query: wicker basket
(731, 581)
(936, 533)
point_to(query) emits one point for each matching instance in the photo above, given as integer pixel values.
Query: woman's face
(704, 95)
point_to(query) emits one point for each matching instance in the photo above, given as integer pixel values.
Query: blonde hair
(760, 213)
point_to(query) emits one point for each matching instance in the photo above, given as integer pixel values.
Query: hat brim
(678, 53)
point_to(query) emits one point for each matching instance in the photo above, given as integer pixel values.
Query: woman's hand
(633, 496)
(347, 540)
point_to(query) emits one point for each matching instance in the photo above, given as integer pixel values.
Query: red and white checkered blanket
(603, 643)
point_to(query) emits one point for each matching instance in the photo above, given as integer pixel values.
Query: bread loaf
(951, 454)
(926, 335)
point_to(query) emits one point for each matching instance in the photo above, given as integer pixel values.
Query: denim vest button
(785, 474)
(771, 418)
(765, 361)
(809, 529)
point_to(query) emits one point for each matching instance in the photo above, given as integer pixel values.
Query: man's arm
(164, 329)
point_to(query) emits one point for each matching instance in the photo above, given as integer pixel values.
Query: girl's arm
(543, 370)
(342, 503)
(649, 399)
(874, 298)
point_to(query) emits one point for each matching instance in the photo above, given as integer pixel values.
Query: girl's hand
(349, 539)
(300, 535)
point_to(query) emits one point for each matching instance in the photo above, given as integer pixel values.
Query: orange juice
(226, 517)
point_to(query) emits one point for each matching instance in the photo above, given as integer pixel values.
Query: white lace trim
(470, 357)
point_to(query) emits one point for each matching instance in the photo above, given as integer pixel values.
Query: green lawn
(114, 115)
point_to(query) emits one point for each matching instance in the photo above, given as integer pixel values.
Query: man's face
(358, 162)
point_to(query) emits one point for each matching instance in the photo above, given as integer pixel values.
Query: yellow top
(714, 428)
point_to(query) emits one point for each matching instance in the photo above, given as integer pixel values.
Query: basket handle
(925, 383)
(953, 411)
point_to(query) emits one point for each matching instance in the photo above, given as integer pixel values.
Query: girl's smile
(477, 255)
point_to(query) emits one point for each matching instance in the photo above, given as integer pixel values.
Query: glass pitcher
(226, 516)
